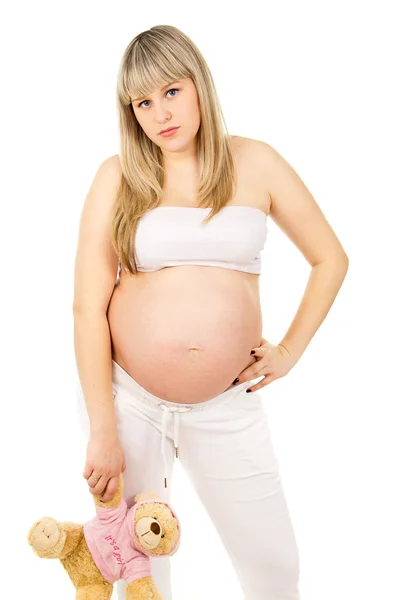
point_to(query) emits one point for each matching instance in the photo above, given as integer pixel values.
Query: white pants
(225, 449)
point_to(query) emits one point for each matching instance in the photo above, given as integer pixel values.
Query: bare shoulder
(104, 187)
(273, 164)
(252, 159)
(108, 177)
(251, 148)
(277, 172)
(257, 153)
(112, 164)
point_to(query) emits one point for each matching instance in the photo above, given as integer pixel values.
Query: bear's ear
(146, 496)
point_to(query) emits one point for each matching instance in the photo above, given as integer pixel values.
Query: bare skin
(184, 333)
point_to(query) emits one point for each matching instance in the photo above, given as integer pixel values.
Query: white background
(317, 81)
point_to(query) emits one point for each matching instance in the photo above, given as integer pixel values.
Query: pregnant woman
(167, 312)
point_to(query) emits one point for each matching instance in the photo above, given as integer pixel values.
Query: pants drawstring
(174, 410)
(176, 423)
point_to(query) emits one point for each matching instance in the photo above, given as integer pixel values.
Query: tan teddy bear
(116, 544)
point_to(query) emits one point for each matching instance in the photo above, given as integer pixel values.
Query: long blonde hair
(153, 59)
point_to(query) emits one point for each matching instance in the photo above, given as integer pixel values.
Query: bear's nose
(155, 527)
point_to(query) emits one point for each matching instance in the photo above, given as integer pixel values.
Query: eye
(170, 90)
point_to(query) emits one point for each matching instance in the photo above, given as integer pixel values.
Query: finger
(249, 373)
(111, 489)
(264, 382)
(88, 470)
(97, 487)
(258, 351)
(93, 477)
(104, 492)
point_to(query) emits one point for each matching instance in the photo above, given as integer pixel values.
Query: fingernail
(247, 391)
(253, 352)
(235, 381)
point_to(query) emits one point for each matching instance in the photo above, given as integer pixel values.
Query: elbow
(77, 310)
(87, 311)
(346, 261)
(338, 261)
(341, 259)
(342, 263)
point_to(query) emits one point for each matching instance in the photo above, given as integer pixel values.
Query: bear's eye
(155, 518)
(162, 535)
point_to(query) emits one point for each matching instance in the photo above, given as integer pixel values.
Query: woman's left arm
(323, 285)
(297, 214)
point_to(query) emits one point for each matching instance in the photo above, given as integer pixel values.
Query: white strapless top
(169, 236)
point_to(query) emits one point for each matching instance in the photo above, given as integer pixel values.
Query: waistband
(121, 377)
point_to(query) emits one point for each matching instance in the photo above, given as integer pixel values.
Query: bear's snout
(155, 528)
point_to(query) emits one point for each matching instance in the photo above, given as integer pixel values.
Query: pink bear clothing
(111, 539)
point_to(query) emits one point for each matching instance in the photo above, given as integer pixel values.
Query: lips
(166, 130)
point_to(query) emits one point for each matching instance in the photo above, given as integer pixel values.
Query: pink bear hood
(112, 541)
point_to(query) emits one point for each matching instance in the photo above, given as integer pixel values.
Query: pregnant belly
(184, 333)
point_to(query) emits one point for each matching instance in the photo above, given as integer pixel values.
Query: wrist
(107, 437)
(288, 350)
(104, 431)
(285, 347)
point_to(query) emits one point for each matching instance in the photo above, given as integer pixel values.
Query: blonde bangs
(150, 65)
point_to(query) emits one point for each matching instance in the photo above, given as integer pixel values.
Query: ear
(146, 496)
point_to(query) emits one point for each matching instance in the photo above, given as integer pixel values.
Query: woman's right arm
(94, 365)
(95, 274)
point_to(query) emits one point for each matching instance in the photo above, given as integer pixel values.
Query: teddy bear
(115, 544)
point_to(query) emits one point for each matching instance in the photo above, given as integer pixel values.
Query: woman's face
(176, 105)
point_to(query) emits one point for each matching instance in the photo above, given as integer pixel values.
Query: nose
(155, 528)
(162, 115)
